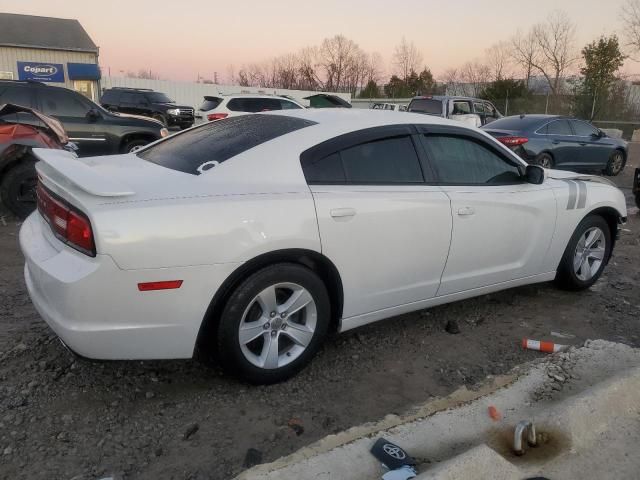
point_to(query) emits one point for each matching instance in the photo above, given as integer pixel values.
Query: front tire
(615, 164)
(586, 254)
(18, 188)
(273, 324)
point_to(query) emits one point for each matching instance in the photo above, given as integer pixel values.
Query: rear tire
(267, 333)
(18, 188)
(616, 163)
(586, 254)
(638, 200)
(545, 160)
(130, 145)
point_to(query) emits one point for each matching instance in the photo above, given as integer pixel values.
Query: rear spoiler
(60, 166)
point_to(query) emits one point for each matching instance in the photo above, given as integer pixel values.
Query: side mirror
(534, 174)
(93, 115)
(598, 134)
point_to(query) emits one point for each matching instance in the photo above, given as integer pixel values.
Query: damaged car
(21, 130)
(253, 238)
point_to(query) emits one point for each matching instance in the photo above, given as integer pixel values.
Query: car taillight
(67, 223)
(216, 116)
(513, 141)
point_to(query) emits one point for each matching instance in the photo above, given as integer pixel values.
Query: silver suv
(472, 111)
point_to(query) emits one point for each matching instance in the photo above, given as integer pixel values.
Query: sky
(180, 40)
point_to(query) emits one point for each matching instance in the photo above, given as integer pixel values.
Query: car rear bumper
(96, 308)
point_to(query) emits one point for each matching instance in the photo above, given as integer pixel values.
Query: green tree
(602, 60)
(501, 92)
(415, 84)
(396, 88)
(371, 90)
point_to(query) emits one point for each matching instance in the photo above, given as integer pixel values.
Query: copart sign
(41, 72)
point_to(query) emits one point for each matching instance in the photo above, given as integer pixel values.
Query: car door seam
(444, 268)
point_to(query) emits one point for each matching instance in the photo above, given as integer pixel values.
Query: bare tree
(630, 14)
(453, 82)
(475, 76)
(406, 58)
(555, 39)
(525, 52)
(498, 60)
(336, 57)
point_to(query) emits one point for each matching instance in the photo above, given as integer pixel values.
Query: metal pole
(506, 105)
(546, 105)
(593, 105)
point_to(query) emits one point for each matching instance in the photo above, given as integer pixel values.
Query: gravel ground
(67, 418)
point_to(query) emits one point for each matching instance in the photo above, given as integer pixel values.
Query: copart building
(52, 50)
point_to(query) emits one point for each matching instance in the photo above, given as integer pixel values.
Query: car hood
(565, 175)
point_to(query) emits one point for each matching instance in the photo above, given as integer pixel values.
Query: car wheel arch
(611, 216)
(315, 261)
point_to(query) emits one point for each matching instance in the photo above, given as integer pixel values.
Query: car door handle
(464, 211)
(582, 144)
(342, 212)
(556, 142)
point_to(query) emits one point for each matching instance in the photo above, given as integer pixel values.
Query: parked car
(471, 111)
(93, 129)
(255, 236)
(327, 100)
(22, 129)
(552, 141)
(223, 106)
(396, 107)
(148, 103)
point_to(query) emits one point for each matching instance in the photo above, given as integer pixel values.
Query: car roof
(448, 97)
(360, 118)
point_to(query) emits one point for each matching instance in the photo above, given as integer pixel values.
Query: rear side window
(210, 103)
(16, 95)
(110, 97)
(287, 105)
(200, 149)
(381, 162)
(463, 161)
(426, 105)
(62, 103)
(559, 127)
(253, 105)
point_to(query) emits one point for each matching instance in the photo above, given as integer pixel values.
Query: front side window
(389, 161)
(558, 127)
(460, 160)
(583, 129)
(200, 149)
(479, 108)
(61, 103)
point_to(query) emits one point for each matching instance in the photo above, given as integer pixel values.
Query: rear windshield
(426, 105)
(197, 150)
(210, 103)
(515, 123)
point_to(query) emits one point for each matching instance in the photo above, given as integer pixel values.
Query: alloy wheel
(616, 163)
(278, 325)
(589, 253)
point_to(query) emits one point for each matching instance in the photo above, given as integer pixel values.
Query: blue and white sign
(42, 72)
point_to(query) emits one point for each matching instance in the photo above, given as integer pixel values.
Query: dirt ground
(66, 418)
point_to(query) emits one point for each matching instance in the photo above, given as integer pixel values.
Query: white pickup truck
(471, 111)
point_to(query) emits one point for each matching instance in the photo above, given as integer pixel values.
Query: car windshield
(199, 149)
(430, 106)
(158, 97)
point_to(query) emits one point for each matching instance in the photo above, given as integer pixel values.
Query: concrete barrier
(612, 132)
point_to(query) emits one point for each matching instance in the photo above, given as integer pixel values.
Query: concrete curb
(455, 435)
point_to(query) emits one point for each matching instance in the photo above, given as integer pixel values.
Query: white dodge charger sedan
(254, 237)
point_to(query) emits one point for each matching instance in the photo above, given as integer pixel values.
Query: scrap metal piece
(522, 428)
